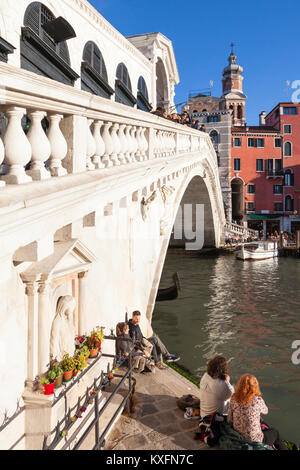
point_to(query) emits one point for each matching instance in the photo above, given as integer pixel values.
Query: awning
(264, 216)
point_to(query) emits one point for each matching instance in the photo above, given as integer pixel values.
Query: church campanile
(233, 97)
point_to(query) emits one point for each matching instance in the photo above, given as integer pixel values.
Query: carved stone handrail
(82, 132)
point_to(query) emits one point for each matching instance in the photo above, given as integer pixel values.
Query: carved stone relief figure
(62, 338)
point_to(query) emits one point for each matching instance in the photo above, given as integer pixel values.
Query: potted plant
(59, 375)
(68, 365)
(84, 350)
(80, 363)
(99, 332)
(48, 385)
(92, 342)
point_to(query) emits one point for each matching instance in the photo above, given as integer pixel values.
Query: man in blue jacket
(159, 349)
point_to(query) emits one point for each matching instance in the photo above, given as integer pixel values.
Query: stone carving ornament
(62, 338)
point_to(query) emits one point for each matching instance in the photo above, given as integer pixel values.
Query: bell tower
(233, 97)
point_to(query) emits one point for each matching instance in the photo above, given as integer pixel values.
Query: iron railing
(91, 397)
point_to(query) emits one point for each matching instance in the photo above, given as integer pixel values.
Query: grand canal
(248, 312)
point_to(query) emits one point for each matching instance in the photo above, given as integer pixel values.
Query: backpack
(232, 440)
(188, 401)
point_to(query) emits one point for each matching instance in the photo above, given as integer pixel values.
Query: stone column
(83, 295)
(44, 325)
(32, 331)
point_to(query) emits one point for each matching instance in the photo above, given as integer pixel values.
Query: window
(278, 206)
(260, 143)
(288, 178)
(237, 142)
(290, 110)
(270, 164)
(251, 189)
(213, 118)
(259, 164)
(289, 204)
(278, 164)
(287, 129)
(277, 189)
(123, 92)
(40, 53)
(250, 206)
(142, 96)
(277, 142)
(287, 150)
(215, 136)
(93, 72)
(237, 164)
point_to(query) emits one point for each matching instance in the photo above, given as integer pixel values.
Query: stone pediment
(70, 256)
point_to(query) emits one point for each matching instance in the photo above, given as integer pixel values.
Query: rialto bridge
(91, 188)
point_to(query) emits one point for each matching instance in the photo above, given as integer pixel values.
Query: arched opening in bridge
(194, 224)
(162, 90)
(237, 194)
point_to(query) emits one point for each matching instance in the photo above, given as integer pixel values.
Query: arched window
(123, 92)
(239, 112)
(142, 96)
(93, 72)
(289, 204)
(288, 178)
(287, 150)
(215, 136)
(43, 50)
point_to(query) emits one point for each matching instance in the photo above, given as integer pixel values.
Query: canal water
(247, 311)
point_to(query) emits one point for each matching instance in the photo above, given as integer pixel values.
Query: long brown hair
(246, 389)
(120, 328)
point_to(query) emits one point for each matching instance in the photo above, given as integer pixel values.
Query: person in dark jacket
(159, 349)
(141, 357)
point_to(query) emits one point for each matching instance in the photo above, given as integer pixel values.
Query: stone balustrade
(81, 132)
(236, 229)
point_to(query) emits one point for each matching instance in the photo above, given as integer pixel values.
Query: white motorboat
(255, 251)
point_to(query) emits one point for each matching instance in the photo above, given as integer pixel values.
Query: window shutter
(32, 17)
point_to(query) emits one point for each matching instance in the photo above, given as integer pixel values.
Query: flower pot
(93, 352)
(99, 347)
(59, 381)
(49, 389)
(68, 375)
(75, 372)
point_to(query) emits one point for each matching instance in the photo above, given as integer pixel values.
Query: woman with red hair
(246, 406)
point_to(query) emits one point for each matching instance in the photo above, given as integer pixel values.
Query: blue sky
(266, 35)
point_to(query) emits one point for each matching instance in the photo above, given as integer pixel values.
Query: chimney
(262, 118)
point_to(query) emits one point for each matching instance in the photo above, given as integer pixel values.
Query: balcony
(274, 174)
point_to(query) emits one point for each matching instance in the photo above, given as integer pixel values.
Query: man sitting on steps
(159, 350)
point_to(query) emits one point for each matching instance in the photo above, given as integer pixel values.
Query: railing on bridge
(243, 232)
(51, 130)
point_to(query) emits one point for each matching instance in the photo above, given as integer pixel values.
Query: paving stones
(157, 423)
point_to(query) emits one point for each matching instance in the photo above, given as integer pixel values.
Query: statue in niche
(62, 339)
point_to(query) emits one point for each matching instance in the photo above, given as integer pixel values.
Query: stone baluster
(155, 143)
(134, 143)
(139, 157)
(2, 183)
(123, 144)
(40, 146)
(100, 146)
(145, 145)
(161, 144)
(173, 143)
(116, 145)
(90, 146)
(59, 147)
(128, 144)
(17, 148)
(108, 145)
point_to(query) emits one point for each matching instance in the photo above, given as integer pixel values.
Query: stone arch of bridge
(196, 189)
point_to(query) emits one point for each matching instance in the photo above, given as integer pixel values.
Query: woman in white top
(215, 388)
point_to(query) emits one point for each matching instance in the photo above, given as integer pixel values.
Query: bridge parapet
(71, 131)
(235, 229)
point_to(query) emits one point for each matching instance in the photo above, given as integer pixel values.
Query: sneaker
(172, 358)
